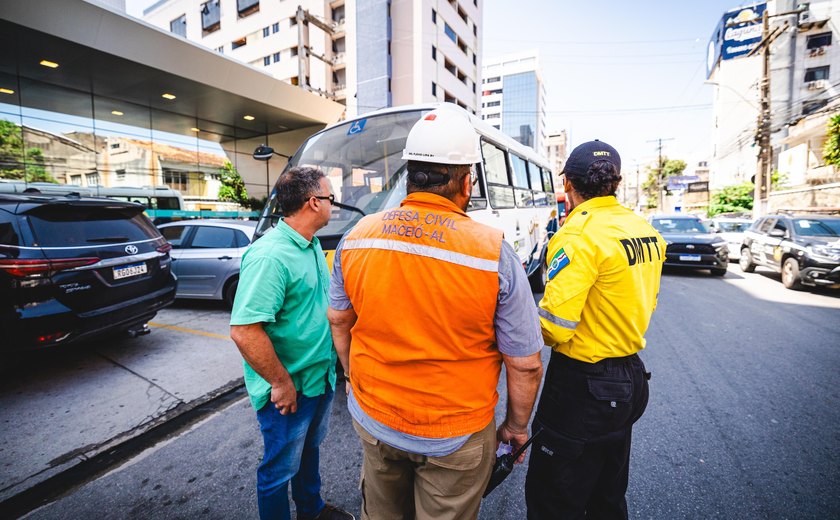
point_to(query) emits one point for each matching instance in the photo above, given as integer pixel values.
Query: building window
(211, 19)
(220, 50)
(494, 103)
(179, 26)
(494, 79)
(475, 59)
(816, 41)
(450, 33)
(809, 107)
(816, 74)
(292, 21)
(176, 180)
(92, 179)
(276, 57)
(115, 146)
(497, 127)
(235, 44)
(293, 52)
(247, 7)
(120, 175)
(493, 116)
(266, 32)
(434, 89)
(434, 53)
(475, 30)
(275, 27)
(75, 179)
(434, 16)
(461, 13)
(266, 61)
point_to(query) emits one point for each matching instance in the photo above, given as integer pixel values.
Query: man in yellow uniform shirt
(604, 267)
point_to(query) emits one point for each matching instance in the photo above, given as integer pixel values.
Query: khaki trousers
(399, 485)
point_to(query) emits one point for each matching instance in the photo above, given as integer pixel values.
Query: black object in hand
(504, 465)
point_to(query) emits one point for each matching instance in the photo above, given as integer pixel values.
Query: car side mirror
(777, 233)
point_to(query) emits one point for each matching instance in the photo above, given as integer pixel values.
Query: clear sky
(625, 72)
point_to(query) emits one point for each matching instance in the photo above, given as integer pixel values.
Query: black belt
(583, 366)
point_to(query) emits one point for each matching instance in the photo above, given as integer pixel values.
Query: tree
(657, 179)
(233, 187)
(831, 152)
(733, 199)
(17, 161)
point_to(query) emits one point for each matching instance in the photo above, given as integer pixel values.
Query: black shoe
(330, 512)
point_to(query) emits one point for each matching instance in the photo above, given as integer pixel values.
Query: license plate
(690, 258)
(127, 271)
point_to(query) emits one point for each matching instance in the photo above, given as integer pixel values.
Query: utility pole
(659, 169)
(764, 170)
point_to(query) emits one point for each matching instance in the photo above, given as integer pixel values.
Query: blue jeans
(291, 453)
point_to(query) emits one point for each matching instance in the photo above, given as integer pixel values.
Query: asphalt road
(743, 422)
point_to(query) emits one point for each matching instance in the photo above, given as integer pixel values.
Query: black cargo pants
(579, 464)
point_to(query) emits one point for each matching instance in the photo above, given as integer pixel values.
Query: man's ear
(466, 185)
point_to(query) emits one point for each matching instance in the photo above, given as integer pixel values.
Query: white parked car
(206, 255)
(732, 230)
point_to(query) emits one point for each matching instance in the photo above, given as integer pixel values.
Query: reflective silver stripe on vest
(428, 251)
(571, 325)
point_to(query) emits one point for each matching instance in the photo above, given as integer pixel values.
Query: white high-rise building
(367, 54)
(513, 97)
(556, 153)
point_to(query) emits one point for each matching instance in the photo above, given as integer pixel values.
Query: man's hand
(284, 396)
(516, 438)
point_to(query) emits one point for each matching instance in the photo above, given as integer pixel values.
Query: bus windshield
(363, 162)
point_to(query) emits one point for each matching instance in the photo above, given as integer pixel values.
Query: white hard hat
(443, 136)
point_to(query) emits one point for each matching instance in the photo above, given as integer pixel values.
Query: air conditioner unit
(813, 52)
(822, 50)
(804, 17)
(819, 84)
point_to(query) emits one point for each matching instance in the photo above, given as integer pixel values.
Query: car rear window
(210, 237)
(8, 233)
(69, 226)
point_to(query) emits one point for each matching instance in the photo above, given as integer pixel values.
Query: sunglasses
(329, 197)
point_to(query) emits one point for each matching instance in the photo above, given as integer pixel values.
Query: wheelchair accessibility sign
(356, 127)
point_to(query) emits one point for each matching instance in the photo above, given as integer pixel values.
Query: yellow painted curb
(188, 331)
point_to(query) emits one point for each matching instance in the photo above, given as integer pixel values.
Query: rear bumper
(65, 326)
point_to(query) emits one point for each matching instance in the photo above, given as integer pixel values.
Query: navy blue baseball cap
(584, 155)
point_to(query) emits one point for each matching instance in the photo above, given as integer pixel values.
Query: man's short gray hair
(296, 185)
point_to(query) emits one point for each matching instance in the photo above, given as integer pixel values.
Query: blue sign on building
(737, 33)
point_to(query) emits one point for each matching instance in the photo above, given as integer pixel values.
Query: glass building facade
(520, 107)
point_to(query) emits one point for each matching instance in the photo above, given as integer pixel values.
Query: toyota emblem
(131, 249)
(689, 246)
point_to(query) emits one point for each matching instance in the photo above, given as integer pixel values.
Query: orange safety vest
(423, 280)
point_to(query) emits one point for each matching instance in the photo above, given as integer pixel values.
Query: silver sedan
(206, 255)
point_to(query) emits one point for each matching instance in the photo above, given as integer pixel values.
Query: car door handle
(226, 257)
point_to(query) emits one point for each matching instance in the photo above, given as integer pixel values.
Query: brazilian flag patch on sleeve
(557, 263)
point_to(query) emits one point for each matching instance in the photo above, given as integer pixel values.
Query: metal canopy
(107, 58)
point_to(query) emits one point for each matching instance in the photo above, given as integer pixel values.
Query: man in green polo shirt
(279, 322)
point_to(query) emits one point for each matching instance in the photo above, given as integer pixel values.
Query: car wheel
(745, 261)
(790, 274)
(230, 292)
(537, 278)
(718, 272)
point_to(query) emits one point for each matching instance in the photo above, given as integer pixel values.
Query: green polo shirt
(283, 285)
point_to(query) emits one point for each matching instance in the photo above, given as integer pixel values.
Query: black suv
(805, 249)
(72, 268)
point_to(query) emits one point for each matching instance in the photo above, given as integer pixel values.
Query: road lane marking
(189, 331)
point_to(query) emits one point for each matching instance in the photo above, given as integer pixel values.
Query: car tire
(230, 292)
(790, 274)
(718, 272)
(745, 261)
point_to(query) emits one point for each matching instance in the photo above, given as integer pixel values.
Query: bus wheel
(537, 279)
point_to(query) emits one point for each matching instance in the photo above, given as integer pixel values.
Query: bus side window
(499, 191)
(477, 198)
